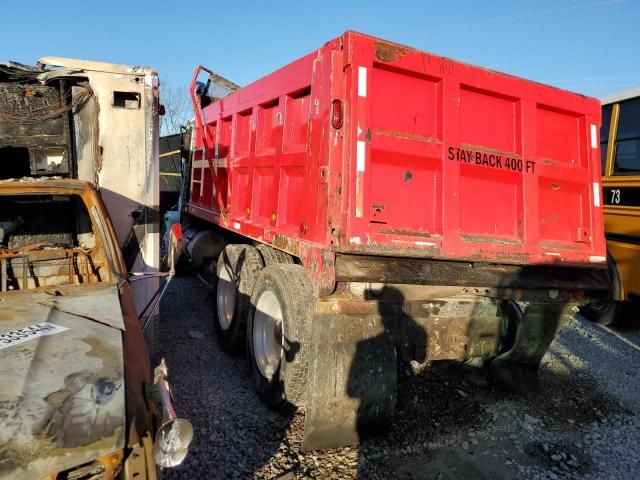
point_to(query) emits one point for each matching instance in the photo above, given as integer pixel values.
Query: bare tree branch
(178, 108)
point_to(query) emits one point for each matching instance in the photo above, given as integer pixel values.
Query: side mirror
(201, 88)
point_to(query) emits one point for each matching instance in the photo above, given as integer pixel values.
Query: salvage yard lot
(450, 424)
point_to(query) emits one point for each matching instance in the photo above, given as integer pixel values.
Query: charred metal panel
(98, 302)
(63, 396)
(29, 101)
(33, 117)
(117, 149)
(85, 131)
(93, 121)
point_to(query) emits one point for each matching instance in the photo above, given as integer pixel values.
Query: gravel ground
(450, 424)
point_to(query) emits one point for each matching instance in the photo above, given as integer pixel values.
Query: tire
(271, 255)
(182, 266)
(237, 271)
(607, 311)
(603, 313)
(279, 334)
(511, 315)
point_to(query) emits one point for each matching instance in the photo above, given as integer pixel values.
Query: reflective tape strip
(360, 156)
(360, 167)
(596, 194)
(362, 81)
(594, 136)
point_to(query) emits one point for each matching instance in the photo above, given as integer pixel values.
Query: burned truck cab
(80, 397)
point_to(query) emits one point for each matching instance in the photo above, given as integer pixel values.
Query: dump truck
(79, 275)
(371, 204)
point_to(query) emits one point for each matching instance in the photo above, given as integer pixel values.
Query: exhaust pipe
(175, 434)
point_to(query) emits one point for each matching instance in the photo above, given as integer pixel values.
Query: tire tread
(272, 255)
(291, 283)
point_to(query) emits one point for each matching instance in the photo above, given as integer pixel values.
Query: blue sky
(590, 46)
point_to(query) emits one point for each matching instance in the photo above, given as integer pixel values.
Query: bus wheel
(279, 333)
(237, 271)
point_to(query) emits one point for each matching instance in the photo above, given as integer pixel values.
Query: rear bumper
(437, 322)
(393, 270)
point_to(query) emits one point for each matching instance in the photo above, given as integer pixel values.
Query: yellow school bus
(620, 147)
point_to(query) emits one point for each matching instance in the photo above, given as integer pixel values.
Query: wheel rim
(226, 298)
(268, 339)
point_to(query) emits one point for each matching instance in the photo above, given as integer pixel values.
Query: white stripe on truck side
(362, 81)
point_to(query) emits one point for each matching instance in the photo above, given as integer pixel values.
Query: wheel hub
(268, 327)
(225, 298)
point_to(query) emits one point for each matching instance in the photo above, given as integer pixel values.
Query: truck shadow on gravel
(450, 422)
(468, 429)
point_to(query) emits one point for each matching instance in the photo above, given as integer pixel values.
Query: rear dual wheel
(604, 312)
(237, 271)
(272, 309)
(607, 310)
(279, 334)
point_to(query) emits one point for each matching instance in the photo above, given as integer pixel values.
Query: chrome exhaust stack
(175, 434)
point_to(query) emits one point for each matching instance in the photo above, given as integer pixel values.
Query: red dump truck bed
(436, 210)
(369, 147)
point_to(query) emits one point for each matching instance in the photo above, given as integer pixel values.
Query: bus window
(627, 154)
(604, 135)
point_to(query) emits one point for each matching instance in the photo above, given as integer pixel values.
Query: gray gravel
(450, 424)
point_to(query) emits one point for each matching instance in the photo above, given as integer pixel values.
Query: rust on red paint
(389, 52)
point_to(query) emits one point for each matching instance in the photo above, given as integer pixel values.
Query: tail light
(336, 114)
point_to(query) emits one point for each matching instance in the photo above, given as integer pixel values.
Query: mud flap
(352, 383)
(517, 369)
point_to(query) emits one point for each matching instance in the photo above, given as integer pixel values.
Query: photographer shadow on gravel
(354, 368)
(373, 375)
(438, 330)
